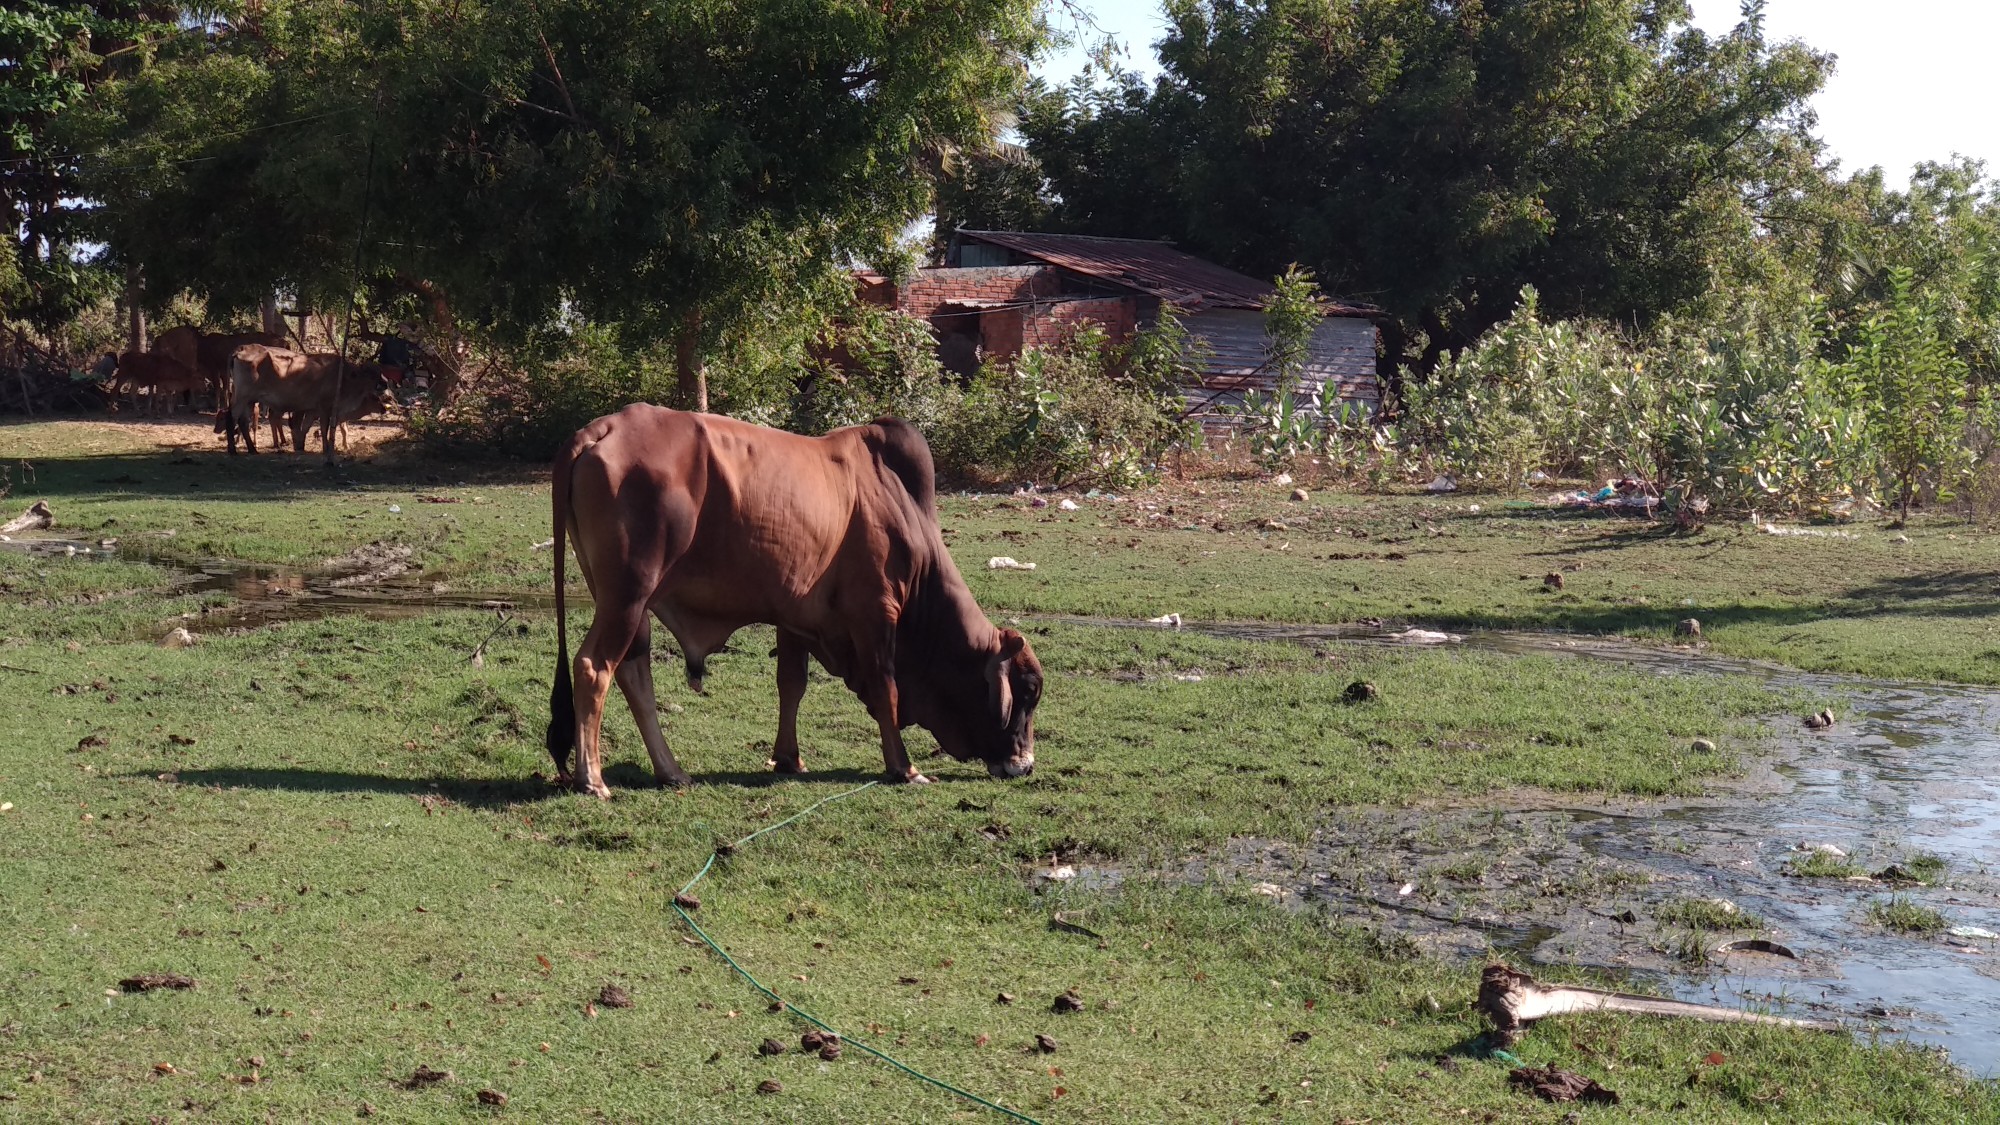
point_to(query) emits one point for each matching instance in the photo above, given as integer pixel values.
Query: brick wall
(1049, 324)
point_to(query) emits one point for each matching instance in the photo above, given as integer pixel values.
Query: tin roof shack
(1002, 292)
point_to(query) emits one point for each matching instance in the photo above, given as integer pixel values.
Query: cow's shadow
(492, 793)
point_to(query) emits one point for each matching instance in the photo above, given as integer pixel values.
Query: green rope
(1503, 1056)
(807, 1016)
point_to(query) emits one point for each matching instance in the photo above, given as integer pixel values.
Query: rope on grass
(729, 848)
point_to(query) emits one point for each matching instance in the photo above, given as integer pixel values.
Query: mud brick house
(1000, 293)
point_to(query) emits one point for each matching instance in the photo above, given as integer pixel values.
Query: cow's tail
(562, 700)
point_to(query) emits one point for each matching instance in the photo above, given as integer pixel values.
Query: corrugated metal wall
(1343, 351)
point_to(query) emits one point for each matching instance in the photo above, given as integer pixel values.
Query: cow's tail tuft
(562, 701)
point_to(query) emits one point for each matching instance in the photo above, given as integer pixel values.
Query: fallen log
(1513, 1001)
(36, 518)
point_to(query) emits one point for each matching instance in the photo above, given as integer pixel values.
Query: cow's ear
(1011, 644)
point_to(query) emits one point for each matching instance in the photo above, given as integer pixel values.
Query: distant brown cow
(208, 353)
(288, 382)
(163, 376)
(709, 524)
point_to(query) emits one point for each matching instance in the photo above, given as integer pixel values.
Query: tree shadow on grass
(484, 793)
(198, 474)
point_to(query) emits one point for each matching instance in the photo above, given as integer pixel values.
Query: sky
(1912, 82)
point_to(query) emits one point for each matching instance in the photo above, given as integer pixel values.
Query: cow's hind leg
(792, 658)
(612, 634)
(635, 678)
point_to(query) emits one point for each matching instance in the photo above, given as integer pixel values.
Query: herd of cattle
(246, 371)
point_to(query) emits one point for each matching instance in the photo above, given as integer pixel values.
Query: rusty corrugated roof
(1152, 267)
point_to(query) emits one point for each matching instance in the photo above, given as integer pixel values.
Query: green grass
(1922, 868)
(331, 825)
(1706, 914)
(1823, 865)
(1922, 609)
(1905, 916)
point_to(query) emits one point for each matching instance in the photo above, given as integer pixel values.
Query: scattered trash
(1756, 945)
(1688, 627)
(1442, 484)
(543, 545)
(1268, 890)
(1973, 932)
(1406, 890)
(1824, 849)
(1062, 874)
(1282, 479)
(1513, 1001)
(1188, 677)
(1821, 721)
(1038, 502)
(1473, 508)
(6, 806)
(1702, 746)
(1173, 619)
(36, 518)
(1553, 1084)
(1007, 562)
(1759, 523)
(179, 638)
(1418, 636)
(147, 982)
(1899, 537)
(1067, 505)
(1361, 691)
(1539, 477)
(395, 509)
(1067, 1002)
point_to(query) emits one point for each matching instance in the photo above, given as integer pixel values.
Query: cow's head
(986, 711)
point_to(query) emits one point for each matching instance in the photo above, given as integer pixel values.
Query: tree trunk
(274, 321)
(135, 328)
(691, 375)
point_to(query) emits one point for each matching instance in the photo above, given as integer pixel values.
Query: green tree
(50, 52)
(665, 165)
(1438, 156)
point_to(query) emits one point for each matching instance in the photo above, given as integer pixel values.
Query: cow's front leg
(792, 658)
(880, 660)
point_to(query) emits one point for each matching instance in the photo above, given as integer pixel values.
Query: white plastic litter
(395, 509)
(1972, 932)
(1268, 890)
(1188, 677)
(1473, 508)
(1067, 505)
(1823, 849)
(1282, 478)
(1007, 562)
(543, 545)
(1407, 890)
(1442, 484)
(179, 638)
(1173, 619)
(1425, 637)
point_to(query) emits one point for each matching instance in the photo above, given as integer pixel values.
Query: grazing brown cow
(711, 524)
(288, 382)
(160, 374)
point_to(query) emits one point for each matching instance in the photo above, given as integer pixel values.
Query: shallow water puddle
(1908, 770)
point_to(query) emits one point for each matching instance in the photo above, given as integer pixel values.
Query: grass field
(333, 826)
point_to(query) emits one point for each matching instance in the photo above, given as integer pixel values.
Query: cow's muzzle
(1013, 767)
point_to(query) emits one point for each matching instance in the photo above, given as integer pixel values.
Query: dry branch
(1513, 1001)
(36, 518)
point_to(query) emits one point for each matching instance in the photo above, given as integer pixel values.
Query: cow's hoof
(600, 791)
(911, 778)
(675, 781)
(779, 765)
